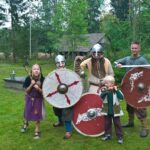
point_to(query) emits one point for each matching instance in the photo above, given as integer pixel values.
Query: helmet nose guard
(97, 48)
(60, 59)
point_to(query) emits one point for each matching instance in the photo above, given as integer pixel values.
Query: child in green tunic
(111, 109)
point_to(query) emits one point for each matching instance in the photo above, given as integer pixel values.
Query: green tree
(17, 13)
(120, 9)
(142, 24)
(2, 14)
(76, 23)
(93, 15)
(57, 24)
(44, 25)
(4, 41)
(139, 17)
(117, 34)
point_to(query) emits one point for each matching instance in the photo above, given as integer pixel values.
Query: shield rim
(79, 131)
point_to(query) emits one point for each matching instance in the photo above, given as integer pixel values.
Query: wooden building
(90, 40)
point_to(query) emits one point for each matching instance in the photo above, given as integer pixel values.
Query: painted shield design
(62, 88)
(136, 87)
(87, 117)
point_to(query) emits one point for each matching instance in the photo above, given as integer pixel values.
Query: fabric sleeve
(103, 95)
(42, 80)
(119, 94)
(143, 61)
(27, 82)
(85, 63)
(122, 61)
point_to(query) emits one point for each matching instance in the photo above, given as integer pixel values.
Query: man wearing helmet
(65, 114)
(98, 67)
(60, 63)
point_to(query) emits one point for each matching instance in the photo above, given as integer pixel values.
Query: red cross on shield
(62, 88)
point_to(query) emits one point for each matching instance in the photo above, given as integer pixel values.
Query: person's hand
(110, 88)
(32, 82)
(79, 58)
(36, 87)
(82, 74)
(119, 65)
(115, 88)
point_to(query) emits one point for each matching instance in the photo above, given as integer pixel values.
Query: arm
(103, 95)
(77, 63)
(143, 61)
(119, 94)
(120, 62)
(29, 88)
(85, 63)
(38, 85)
(27, 84)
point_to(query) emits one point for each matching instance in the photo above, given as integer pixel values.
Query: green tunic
(111, 102)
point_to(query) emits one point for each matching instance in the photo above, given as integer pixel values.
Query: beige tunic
(93, 79)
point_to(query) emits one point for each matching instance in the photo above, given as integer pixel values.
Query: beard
(98, 68)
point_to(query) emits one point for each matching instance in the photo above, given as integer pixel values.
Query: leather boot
(67, 135)
(128, 125)
(59, 124)
(144, 128)
(130, 122)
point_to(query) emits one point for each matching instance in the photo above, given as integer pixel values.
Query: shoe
(36, 135)
(59, 124)
(120, 141)
(24, 128)
(144, 133)
(106, 138)
(67, 135)
(128, 125)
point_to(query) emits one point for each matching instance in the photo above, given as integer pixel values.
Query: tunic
(34, 103)
(111, 103)
(129, 60)
(97, 72)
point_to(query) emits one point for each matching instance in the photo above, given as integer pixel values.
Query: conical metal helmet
(97, 48)
(60, 61)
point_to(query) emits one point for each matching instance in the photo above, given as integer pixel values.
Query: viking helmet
(60, 61)
(97, 48)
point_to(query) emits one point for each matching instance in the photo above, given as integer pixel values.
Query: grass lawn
(11, 119)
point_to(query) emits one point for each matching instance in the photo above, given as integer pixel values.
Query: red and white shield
(62, 88)
(87, 117)
(136, 87)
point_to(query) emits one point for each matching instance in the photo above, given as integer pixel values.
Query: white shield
(62, 88)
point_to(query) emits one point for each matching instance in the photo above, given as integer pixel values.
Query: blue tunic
(129, 60)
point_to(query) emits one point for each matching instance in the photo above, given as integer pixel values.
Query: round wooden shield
(136, 87)
(87, 117)
(62, 88)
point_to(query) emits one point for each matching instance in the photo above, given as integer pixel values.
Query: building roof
(92, 39)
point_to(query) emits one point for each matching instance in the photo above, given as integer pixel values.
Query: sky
(107, 6)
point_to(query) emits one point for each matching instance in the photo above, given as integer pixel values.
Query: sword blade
(134, 66)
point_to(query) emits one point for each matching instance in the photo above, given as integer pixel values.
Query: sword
(134, 66)
(130, 66)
